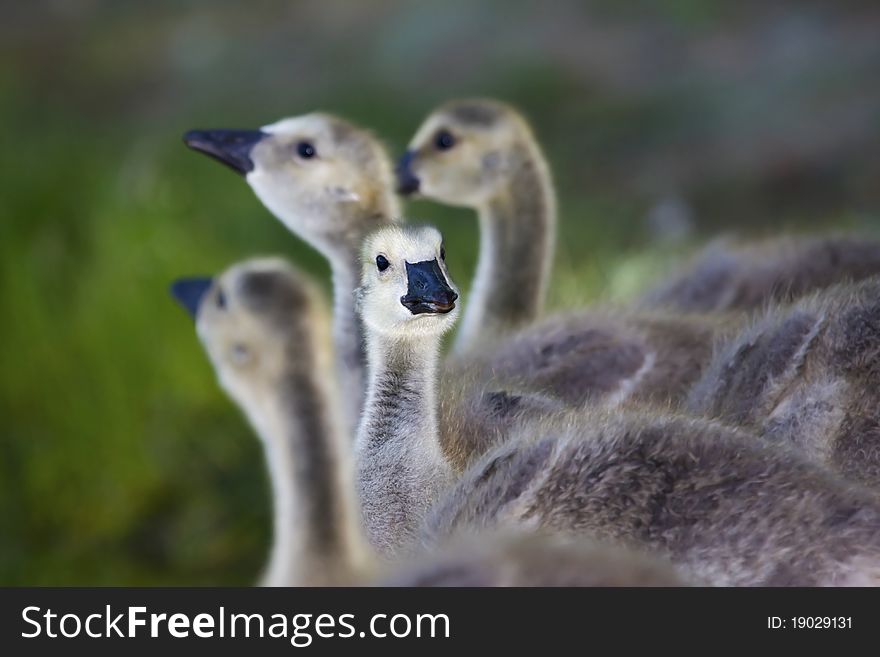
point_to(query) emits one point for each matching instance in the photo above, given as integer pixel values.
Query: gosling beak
(231, 147)
(407, 181)
(190, 291)
(427, 289)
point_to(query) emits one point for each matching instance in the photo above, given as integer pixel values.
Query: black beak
(231, 147)
(407, 182)
(190, 291)
(427, 289)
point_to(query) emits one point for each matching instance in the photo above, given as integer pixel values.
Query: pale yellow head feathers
(406, 290)
(255, 318)
(325, 178)
(465, 150)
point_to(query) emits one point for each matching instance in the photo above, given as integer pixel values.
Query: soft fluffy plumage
(744, 276)
(807, 375)
(715, 501)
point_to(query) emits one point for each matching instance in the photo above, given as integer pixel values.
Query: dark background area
(666, 124)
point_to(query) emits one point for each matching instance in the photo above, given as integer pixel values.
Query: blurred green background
(666, 124)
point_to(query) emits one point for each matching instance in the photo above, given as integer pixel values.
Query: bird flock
(721, 430)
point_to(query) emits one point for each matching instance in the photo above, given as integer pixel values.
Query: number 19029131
(809, 623)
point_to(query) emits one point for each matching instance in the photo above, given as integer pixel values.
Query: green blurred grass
(121, 461)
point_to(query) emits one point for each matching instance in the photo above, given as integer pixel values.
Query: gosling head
(463, 151)
(250, 319)
(405, 289)
(327, 180)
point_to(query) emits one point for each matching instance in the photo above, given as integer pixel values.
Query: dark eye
(305, 150)
(443, 253)
(382, 263)
(221, 299)
(444, 140)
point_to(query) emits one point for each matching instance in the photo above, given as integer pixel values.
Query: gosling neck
(318, 539)
(343, 254)
(348, 335)
(517, 241)
(400, 466)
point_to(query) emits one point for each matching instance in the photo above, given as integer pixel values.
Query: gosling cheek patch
(230, 147)
(427, 289)
(189, 292)
(407, 182)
